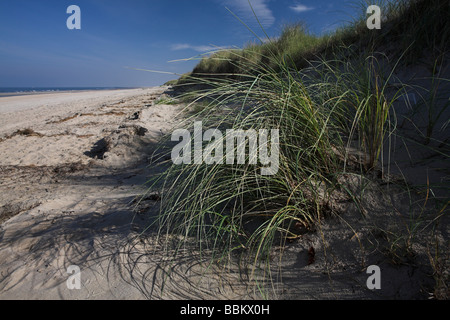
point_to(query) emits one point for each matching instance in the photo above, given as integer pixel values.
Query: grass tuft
(332, 99)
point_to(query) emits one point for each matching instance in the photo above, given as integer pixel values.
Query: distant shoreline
(38, 91)
(23, 100)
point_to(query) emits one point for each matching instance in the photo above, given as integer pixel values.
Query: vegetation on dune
(330, 96)
(409, 28)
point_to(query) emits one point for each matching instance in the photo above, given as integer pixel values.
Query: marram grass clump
(233, 208)
(332, 102)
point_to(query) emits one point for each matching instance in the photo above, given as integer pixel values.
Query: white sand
(70, 122)
(66, 201)
(33, 101)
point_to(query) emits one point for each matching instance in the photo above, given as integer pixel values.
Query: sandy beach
(225, 155)
(71, 167)
(71, 164)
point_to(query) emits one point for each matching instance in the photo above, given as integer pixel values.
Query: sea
(11, 91)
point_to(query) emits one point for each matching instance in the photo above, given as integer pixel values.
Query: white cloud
(243, 10)
(201, 48)
(299, 8)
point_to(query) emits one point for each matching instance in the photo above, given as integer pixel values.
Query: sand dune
(71, 166)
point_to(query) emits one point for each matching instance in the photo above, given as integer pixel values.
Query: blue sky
(38, 50)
